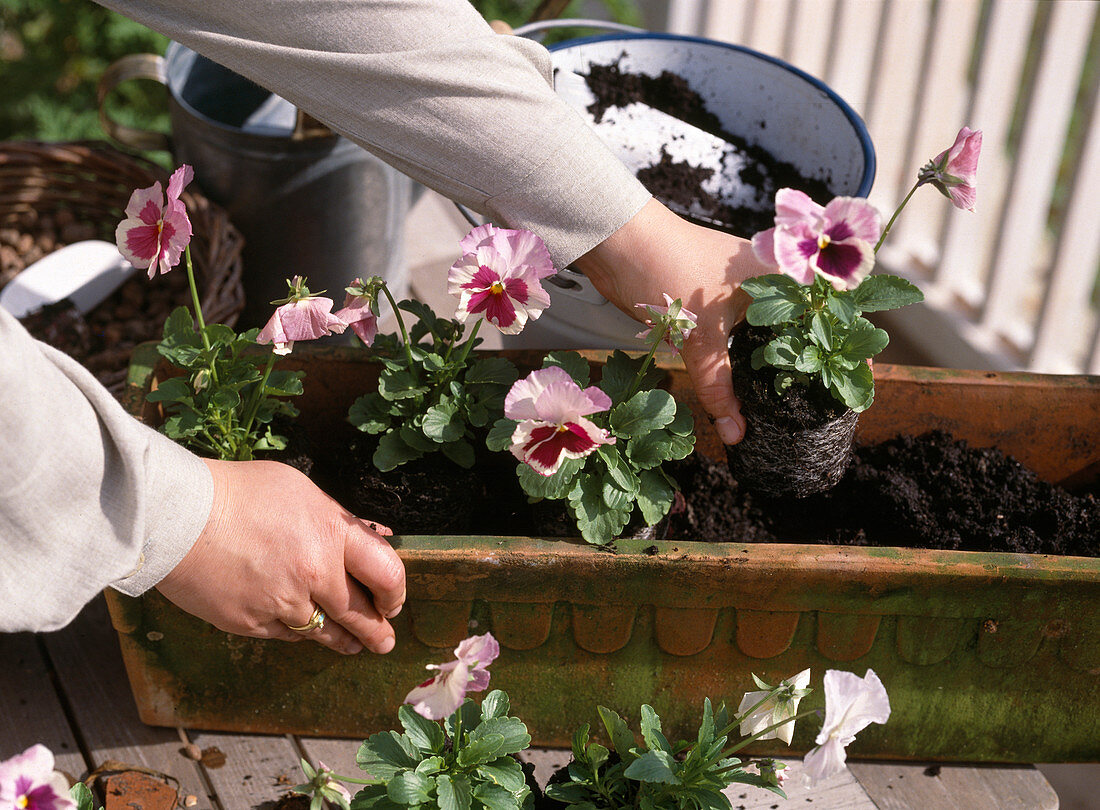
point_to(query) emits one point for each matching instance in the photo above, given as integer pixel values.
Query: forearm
(89, 497)
(427, 86)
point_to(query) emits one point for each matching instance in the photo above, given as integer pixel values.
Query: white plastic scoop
(84, 272)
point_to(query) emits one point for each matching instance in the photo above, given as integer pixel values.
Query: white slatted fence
(1013, 285)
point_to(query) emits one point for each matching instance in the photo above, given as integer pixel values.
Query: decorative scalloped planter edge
(989, 657)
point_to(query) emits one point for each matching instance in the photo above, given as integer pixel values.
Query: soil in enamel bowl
(679, 184)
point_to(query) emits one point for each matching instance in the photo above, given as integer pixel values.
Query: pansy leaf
(683, 423)
(182, 425)
(615, 498)
(654, 766)
(500, 434)
(470, 715)
(622, 738)
(620, 371)
(553, 486)
(580, 743)
(420, 310)
(645, 411)
(651, 730)
(494, 797)
(392, 451)
(597, 755)
(422, 732)
(783, 351)
(226, 398)
(655, 497)
(399, 384)
(598, 524)
(174, 389)
(443, 422)
(480, 749)
(284, 384)
(855, 387)
(776, 299)
(81, 794)
(863, 340)
(842, 305)
(384, 754)
(512, 731)
(460, 452)
(882, 291)
(410, 788)
(810, 360)
(573, 364)
(374, 797)
(821, 330)
(491, 370)
(658, 446)
(430, 766)
(504, 771)
(618, 469)
(453, 792)
(370, 413)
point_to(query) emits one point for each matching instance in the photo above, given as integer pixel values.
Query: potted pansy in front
(802, 368)
(455, 754)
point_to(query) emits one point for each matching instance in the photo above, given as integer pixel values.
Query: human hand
(658, 252)
(275, 546)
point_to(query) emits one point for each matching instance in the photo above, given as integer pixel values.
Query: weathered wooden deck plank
(258, 770)
(901, 785)
(89, 667)
(30, 709)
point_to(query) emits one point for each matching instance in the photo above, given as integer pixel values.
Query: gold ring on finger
(316, 622)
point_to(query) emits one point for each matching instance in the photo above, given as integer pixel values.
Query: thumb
(706, 357)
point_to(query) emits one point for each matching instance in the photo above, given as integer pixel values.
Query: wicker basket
(86, 186)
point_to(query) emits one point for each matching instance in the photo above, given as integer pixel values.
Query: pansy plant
(433, 394)
(600, 447)
(224, 403)
(824, 254)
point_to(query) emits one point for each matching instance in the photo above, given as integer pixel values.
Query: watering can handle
(133, 66)
(540, 26)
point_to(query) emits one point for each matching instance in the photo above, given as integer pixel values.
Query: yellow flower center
(22, 802)
(823, 241)
(496, 288)
(562, 428)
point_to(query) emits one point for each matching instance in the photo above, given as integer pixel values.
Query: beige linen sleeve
(428, 87)
(89, 497)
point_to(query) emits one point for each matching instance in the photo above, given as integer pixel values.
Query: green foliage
(821, 334)
(517, 12)
(225, 401)
(53, 53)
(434, 394)
(468, 764)
(603, 489)
(655, 774)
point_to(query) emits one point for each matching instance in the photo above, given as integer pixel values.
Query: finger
(373, 562)
(379, 529)
(706, 358)
(349, 607)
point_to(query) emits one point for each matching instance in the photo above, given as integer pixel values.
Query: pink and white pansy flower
(28, 781)
(551, 409)
(155, 232)
(836, 241)
(442, 694)
(954, 171)
(300, 316)
(358, 311)
(498, 276)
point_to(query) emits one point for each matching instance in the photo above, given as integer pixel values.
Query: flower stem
(353, 780)
(469, 344)
(897, 211)
(195, 300)
(637, 383)
(400, 325)
(257, 395)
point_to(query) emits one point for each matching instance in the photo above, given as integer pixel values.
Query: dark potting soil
(799, 408)
(930, 491)
(679, 183)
